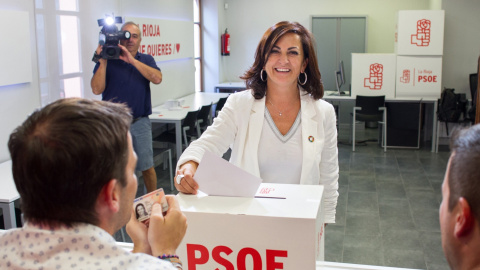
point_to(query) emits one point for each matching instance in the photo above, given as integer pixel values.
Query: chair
(162, 154)
(204, 117)
(370, 108)
(189, 129)
(220, 104)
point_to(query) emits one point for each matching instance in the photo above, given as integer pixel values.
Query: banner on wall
(165, 39)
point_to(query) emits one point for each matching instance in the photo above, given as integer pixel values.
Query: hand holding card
(143, 205)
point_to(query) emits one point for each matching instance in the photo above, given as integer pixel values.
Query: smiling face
(285, 62)
(133, 43)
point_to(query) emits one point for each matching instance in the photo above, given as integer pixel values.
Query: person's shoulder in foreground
(460, 207)
(74, 167)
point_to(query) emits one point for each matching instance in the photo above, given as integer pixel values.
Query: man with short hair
(127, 80)
(74, 166)
(460, 207)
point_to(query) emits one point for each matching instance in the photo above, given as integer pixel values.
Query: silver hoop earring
(304, 82)
(261, 75)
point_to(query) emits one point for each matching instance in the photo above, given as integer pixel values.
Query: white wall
(247, 20)
(18, 101)
(212, 17)
(462, 43)
(178, 76)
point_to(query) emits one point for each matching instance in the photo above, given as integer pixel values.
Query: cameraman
(127, 80)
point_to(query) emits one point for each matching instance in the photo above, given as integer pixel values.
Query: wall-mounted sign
(165, 39)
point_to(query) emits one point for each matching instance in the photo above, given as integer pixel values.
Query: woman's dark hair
(252, 78)
(136, 209)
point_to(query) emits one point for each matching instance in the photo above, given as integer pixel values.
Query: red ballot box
(281, 228)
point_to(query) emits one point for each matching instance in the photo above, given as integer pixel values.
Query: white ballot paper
(217, 177)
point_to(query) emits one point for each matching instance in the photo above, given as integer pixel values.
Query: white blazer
(239, 126)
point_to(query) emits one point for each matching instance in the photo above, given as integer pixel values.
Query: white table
(192, 102)
(8, 195)
(434, 101)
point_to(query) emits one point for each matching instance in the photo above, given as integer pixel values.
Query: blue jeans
(141, 131)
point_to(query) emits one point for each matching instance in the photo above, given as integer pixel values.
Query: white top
(239, 126)
(280, 156)
(83, 246)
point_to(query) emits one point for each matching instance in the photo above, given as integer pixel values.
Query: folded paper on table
(218, 177)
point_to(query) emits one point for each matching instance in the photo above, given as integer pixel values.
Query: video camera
(109, 36)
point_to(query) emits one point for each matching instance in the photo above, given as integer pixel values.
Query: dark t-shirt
(125, 84)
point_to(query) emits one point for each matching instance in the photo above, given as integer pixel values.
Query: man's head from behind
(460, 207)
(64, 154)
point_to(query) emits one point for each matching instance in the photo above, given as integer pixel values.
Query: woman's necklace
(279, 112)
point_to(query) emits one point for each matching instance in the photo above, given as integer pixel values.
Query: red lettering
(242, 256)
(192, 259)
(429, 78)
(271, 255)
(142, 49)
(219, 259)
(144, 29)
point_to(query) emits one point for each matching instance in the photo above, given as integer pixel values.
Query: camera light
(109, 20)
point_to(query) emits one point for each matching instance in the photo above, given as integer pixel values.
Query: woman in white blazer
(279, 130)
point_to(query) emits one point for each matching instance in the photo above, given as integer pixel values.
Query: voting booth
(420, 32)
(373, 74)
(419, 76)
(281, 228)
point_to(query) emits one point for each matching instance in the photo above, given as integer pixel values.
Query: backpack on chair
(450, 107)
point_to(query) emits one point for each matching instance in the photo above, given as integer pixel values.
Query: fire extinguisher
(226, 43)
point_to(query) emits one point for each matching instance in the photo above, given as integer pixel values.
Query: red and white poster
(373, 74)
(419, 76)
(165, 39)
(420, 32)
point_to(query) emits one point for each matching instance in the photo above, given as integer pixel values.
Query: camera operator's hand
(98, 51)
(125, 55)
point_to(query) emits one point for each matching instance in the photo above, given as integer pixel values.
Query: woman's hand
(187, 184)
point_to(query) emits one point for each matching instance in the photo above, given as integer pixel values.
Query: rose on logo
(424, 24)
(376, 68)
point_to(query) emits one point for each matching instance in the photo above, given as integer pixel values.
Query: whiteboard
(16, 64)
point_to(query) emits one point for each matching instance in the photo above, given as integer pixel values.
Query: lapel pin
(311, 138)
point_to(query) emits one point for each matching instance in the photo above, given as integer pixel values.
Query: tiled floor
(387, 211)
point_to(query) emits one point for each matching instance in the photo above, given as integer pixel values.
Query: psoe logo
(405, 76)
(375, 79)
(422, 37)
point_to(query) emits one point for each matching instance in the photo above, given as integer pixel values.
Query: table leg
(434, 126)
(9, 220)
(178, 138)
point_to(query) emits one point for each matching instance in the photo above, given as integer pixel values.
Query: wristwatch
(96, 57)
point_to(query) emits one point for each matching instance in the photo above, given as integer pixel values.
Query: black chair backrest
(473, 86)
(204, 114)
(370, 104)
(220, 104)
(191, 121)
